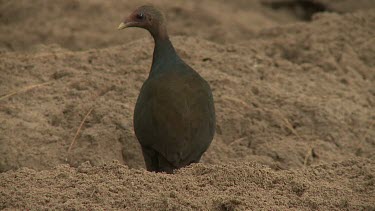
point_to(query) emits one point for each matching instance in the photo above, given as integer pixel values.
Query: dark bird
(174, 117)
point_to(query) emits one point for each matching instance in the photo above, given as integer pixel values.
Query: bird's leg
(151, 159)
(165, 165)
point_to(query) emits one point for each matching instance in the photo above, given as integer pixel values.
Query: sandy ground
(295, 104)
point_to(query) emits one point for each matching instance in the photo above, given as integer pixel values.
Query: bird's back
(174, 118)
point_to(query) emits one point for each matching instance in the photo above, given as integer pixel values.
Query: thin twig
(99, 94)
(289, 126)
(92, 193)
(308, 154)
(237, 141)
(24, 90)
(79, 129)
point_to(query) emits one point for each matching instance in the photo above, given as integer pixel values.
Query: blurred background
(82, 25)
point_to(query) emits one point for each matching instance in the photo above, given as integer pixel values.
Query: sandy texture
(347, 185)
(295, 104)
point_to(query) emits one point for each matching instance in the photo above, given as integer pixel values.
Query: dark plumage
(174, 117)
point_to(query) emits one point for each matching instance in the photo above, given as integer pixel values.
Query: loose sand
(295, 104)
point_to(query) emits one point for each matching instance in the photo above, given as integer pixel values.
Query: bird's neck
(164, 52)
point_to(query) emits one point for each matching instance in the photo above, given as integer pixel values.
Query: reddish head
(149, 18)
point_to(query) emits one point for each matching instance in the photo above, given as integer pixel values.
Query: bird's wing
(174, 115)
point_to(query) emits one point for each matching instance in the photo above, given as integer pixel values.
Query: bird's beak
(122, 26)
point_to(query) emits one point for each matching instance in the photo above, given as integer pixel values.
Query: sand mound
(294, 96)
(236, 186)
(288, 98)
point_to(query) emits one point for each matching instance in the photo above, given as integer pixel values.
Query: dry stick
(237, 141)
(24, 90)
(84, 119)
(308, 154)
(92, 193)
(289, 126)
(79, 129)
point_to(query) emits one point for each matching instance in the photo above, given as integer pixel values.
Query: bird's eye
(140, 16)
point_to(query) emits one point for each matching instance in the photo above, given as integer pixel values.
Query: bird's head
(146, 17)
